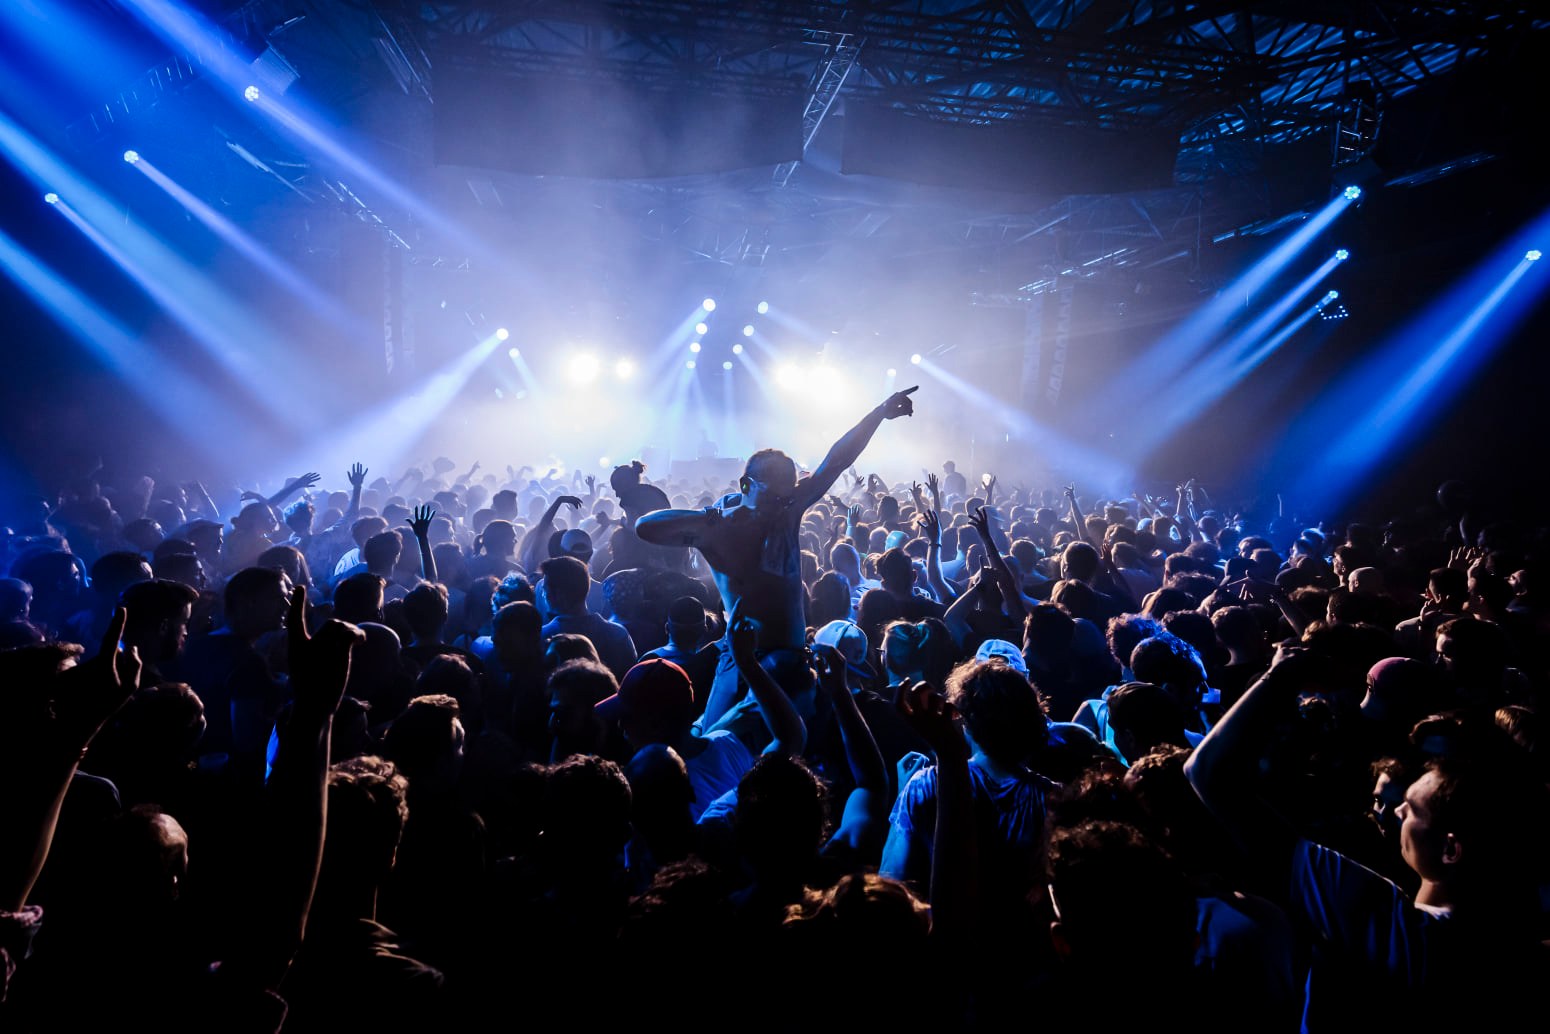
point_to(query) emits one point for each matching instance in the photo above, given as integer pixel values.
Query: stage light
(701, 329)
(726, 364)
(689, 365)
(1351, 193)
(51, 197)
(251, 93)
(694, 346)
(131, 156)
(1331, 296)
(501, 334)
(737, 349)
(709, 305)
(515, 353)
(915, 358)
(582, 369)
(603, 461)
(892, 372)
(764, 307)
(1532, 255)
(788, 376)
(1342, 255)
(748, 330)
(624, 369)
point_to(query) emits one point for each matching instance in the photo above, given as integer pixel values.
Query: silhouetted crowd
(450, 750)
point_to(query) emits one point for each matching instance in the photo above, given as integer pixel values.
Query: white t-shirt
(717, 768)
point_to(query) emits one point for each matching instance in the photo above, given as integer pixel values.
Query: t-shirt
(716, 769)
(614, 646)
(1008, 819)
(1383, 962)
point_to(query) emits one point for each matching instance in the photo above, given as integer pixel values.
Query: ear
(1057, 938)
(1452, 850)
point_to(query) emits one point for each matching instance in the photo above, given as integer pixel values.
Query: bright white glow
(892, 372)
(788, 376)
(726, 364)
(131, 156)
(251, 93)
(582, 369)
(1532, 255)
(915, 358)
(499, 394)
(501, 333)
(624, 369)
(748, 330)
(737, 349)
(694, 346)
(603, 461)
(709, 305)
(515, 353)
(1352, 193)
(1342, 255)
(51, 197)
(701, 329)
(689, 365)
(1331, 296)
(764, 307)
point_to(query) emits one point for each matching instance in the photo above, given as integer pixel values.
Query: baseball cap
(991, 648)
(651, 685)
(850, 641)
(574, 542)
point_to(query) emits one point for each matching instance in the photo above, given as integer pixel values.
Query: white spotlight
(131, 156)
(748, 330)
(915, 358)
(788, 376)
(709, 305)
(51, 198)
(251, 93)
(624, 369)
(694, 346)
(514, 353)
(726, 364)
(764, 307)
(603, 461)
(1533, 255)
(501, 333)
(892, 372)
(689, 365)
(737, 349)
(582, 369)
(701, 329)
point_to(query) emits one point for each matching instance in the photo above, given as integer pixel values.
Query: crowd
(812, 750)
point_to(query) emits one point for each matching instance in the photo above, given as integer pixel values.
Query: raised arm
(293, 486)
(420, 524)
(357, 476)
(537, 538)
(845, 452)
(1015, 606)
(787, 733)
(931, 528)
(955, 845)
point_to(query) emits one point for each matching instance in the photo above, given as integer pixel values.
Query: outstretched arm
(538, 538)
(848, 449)
(676, 527)
(307, 480)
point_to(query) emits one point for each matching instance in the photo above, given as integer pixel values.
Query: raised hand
(320, 664)
(898, 404)
(931, 527)
(934, 487)
(591, 485)
(420, 522)
(357, 475)
(251, 495)
(63, 712)
(307, 480)
(929, 713)
(831, 671)
(1071, 492)
(979, 520)
(743, 635)
(853, 514)
(915, 495)
(574, 502)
